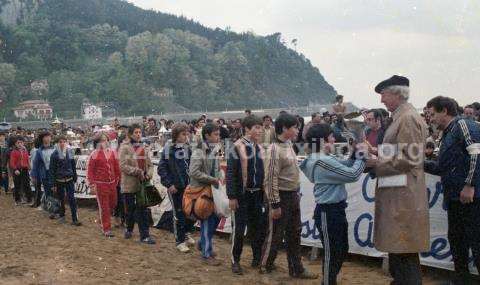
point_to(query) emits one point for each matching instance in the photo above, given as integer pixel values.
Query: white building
(37, 109)
(91, 112)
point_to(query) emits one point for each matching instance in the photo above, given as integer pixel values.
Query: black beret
(394, 80)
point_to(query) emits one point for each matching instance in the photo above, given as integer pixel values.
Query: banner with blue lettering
(360, 216)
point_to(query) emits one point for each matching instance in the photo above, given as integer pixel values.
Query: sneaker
(148, 240)
(237, 269)
(255, 263)
(61, 220)
(17, 204)
(109, 234)
(211, 261)
(189, 240)
(306, 275)
(76, 223)
(53, 216)
(183, 248)
(127, 235)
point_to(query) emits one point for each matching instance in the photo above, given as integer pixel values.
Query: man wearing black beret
(401, 206)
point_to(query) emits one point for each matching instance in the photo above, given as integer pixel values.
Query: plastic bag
(221, 201)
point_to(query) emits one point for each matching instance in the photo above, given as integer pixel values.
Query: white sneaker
(189, 240)
(183, 248)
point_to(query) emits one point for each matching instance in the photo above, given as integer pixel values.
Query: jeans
(68, 189)
(207, 230)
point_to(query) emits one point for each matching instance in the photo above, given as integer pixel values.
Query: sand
(36, 250)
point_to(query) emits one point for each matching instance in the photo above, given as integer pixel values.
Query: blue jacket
(174, 165)
(330, 175)
(39, 170)
(62, 168)
(255, 171)
(456, 166)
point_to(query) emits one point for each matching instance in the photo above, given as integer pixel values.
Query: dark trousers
(287, 228)
(405, 268)
(67, 189)
(38, 194)
(22, 185)
(331, 222)
(250, 214)
(4, 182)
(181, 225)
(136, 213)
(119, 211)
(463, 235)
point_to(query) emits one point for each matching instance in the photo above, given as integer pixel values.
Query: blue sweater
(330, 175)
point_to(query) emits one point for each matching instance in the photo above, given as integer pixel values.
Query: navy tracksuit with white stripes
(331, 222)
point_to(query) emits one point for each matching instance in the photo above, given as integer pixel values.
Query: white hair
(401, 90)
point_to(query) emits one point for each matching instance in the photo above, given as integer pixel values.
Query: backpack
(198, 202)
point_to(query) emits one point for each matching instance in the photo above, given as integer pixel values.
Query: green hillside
(141, 61)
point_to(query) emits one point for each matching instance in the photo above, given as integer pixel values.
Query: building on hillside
(91, 112)
(36, 109)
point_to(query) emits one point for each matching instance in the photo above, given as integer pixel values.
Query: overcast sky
(357, 43)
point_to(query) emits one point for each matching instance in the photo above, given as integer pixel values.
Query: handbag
(198, 202)
(148, 196)
(50, 204)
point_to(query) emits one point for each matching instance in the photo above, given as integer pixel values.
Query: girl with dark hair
(19, 163)
(103, 176)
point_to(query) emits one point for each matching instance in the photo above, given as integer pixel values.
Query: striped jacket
(330, 175)
(457, 162)
(281, 171)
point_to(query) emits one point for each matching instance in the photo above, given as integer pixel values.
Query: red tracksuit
(19, 160)
(103, 172)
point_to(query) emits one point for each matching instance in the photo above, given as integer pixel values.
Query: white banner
(360, 216)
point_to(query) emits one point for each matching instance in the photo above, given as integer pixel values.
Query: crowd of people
(396, 145)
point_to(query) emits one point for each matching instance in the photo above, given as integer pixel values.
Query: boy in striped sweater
(330, 174)
(281, 186)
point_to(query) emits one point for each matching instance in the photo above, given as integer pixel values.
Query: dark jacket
(39, 170)
(455, 164)
(255, 172)
(173, 166)
(62, 168)
(3, 160)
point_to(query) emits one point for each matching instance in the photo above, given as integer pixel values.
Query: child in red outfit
(103, 176)
(20, 164)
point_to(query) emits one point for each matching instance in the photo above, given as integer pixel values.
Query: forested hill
(139, 61)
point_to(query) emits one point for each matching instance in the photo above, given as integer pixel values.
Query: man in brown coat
(401, 204)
